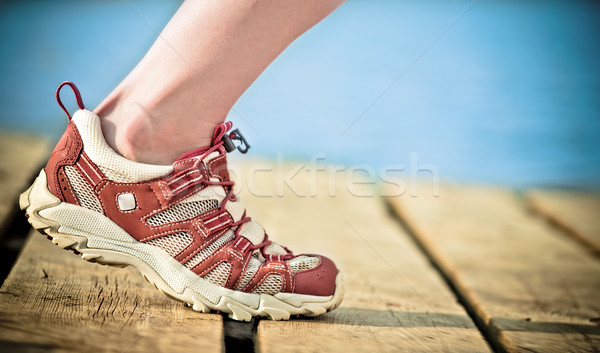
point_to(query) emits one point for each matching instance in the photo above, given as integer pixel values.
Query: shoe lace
(217, 146)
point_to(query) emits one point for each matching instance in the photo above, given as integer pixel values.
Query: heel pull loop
(77, 97)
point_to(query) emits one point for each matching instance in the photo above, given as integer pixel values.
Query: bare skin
(206, 57)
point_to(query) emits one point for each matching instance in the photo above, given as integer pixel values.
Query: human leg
(205, 58)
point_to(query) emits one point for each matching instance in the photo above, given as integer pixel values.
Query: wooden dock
(477, 269)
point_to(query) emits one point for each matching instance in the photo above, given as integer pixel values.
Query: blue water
(509, 94)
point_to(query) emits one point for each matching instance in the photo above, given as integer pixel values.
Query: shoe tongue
(256, 235)
(193, 153)
(275, 249)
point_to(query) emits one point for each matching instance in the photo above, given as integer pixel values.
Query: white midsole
(100, 239)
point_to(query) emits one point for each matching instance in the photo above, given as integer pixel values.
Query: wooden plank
(21, 157)
(54, 301)
(395, 301)
(577, 213)
(532, 289)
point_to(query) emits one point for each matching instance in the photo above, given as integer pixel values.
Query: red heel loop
(77, 97)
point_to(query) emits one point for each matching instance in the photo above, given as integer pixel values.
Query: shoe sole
(98, 239)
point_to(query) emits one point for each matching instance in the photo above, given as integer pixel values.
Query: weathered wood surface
(533, 288)
(21, 155)
(55, 301)
(577, 213)
(395, 301)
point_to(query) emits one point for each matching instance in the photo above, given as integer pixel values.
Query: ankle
(131, 138)
(136, 135)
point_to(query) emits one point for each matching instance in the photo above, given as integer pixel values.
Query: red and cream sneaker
(181, 226)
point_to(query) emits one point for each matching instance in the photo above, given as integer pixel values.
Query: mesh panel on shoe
(83, 190)
(219, 274)
(172, 243)
(211, 248)
(271, 285)
(206, 194)
(302, 263)
(115, 175)
(251, 269)
(181, 211)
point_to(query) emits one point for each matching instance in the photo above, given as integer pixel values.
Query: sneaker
(180, 225)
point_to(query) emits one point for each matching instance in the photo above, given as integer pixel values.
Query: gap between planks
(575, 213)
(395, 301)
(529, 287)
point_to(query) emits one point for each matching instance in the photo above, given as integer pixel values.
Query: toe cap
(318, 281)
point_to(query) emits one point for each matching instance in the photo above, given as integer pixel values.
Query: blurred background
(507, 94)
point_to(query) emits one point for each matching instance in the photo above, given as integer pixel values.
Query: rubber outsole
(97, 239)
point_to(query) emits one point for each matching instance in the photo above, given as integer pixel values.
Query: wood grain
(395, 301)
(55, 301)
(532, 288)
(577, 213)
